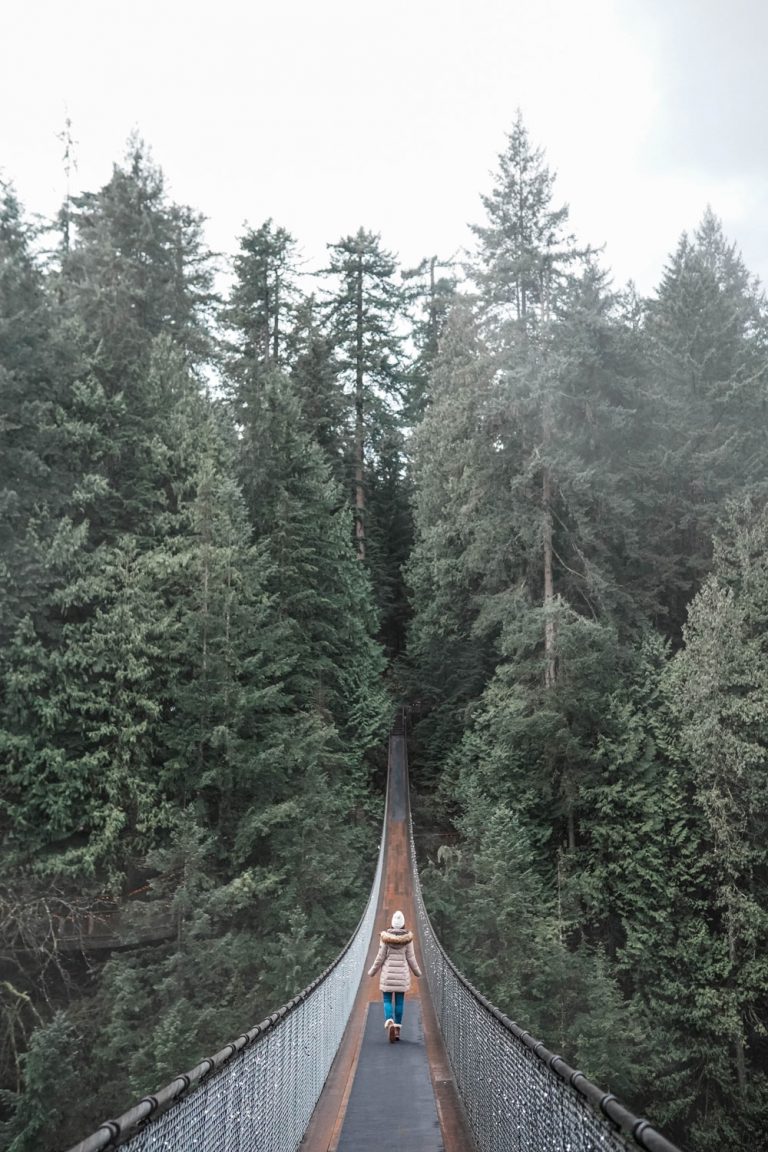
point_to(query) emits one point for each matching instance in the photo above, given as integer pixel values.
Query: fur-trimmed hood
(396, 937)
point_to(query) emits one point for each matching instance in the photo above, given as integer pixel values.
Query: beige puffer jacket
(397, 960)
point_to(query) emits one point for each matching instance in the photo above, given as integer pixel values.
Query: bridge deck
(380, 1095)
(392, 1104)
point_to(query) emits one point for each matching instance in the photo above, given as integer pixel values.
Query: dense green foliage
(219, 517)
(592, 746)
(192, 697)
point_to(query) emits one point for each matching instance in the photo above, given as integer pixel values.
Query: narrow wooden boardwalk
(382, 1096)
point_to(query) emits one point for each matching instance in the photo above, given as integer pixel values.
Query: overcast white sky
(332, 114)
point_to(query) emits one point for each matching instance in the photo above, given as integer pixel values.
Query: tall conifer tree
(363, 312)
(707, 350)
(720, 684)
(523, 263)
(261, 307)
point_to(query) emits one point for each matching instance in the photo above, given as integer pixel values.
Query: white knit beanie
(398, 920)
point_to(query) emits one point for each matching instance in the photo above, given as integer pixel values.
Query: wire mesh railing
(518, 1096)
(258, 1094)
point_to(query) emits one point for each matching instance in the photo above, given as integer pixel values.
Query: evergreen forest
(248, 509)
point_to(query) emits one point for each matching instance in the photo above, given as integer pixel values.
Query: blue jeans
(395, 1013)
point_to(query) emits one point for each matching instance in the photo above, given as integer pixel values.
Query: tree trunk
(549, 595)
(276, 333)
(550, 670)
(571, 821)
(359, 419)
(741, 1066)
(265, 334)
(738, 1042)
(432, 322)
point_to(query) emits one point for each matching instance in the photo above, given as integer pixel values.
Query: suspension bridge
(319, 1076)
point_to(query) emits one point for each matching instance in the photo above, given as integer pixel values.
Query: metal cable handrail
(259, 1092)
(517, 1095)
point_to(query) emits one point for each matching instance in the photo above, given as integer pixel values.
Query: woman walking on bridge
(396, 959)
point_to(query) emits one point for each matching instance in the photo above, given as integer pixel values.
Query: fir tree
(448, 658)
(432, 296)
(523, 268)
(362, 315)
(707, 340)
(321, 593)
(524, 254)
(260, 308)
(136, 270)
(719, 680)
(314, 377)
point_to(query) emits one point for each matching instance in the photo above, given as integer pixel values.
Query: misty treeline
(239, 525)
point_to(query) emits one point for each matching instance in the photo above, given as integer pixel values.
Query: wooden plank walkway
(380, 1095)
